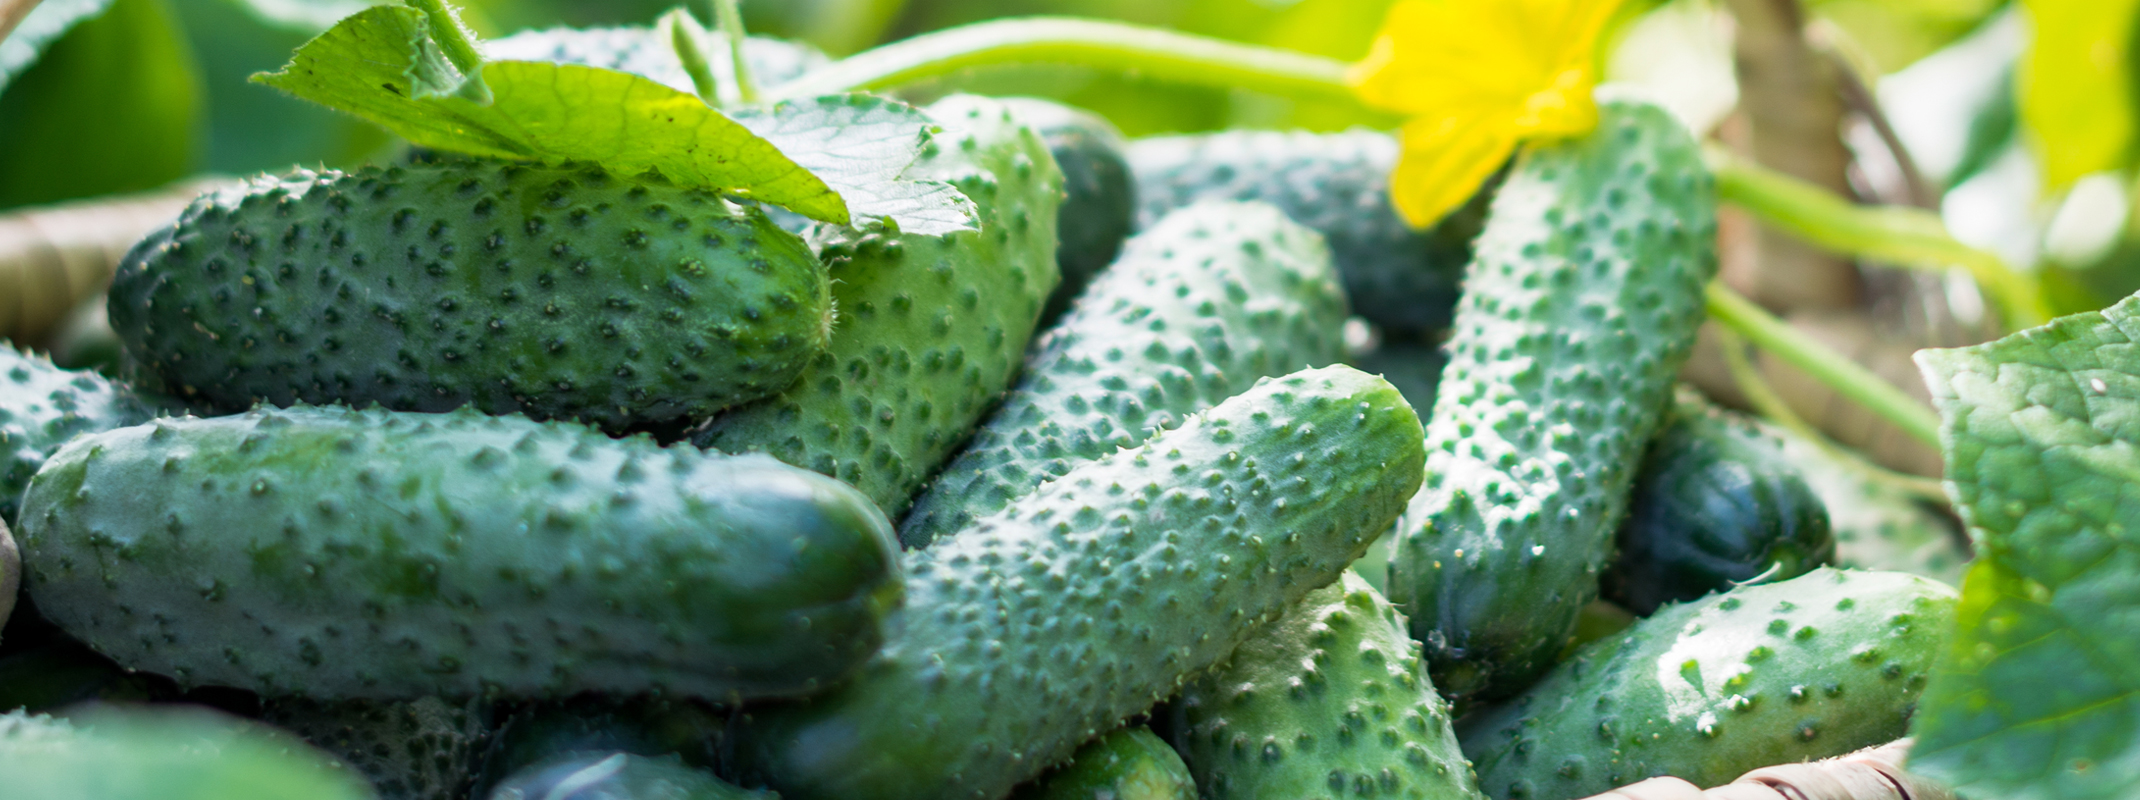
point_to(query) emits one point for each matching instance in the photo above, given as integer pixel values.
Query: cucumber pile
(461, 477)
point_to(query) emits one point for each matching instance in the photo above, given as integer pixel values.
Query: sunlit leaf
(2075, 86)
(45, 24)
(113, 106)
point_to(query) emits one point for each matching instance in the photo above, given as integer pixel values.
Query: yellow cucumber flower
(1476, 77)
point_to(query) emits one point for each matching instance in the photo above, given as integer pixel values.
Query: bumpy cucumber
(931, 328)
(643, 51)
(1812, 667)
(422, 749)
(1716, 504)
(559, 292)
(1129, 764)
(1052, 621)
(380, 554)
(1336, 183)
(1204, 304)
(618, 776)
(120, 753)
(42, 406)
(1577, 313)
(1329, 701)
(1099, 201)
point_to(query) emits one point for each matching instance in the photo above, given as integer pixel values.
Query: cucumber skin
(1335, 183)
(931, 329)
(43, 406)
(1204, 304)
(1099, 198)
(1091, 599)
(1128, 764)
(1813, 667)
(557, 292)
(377, 554)
(595, 776)
(1330, 701)
(422, 749)
(1580, 307)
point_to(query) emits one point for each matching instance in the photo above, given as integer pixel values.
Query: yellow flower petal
(1444, 162)
(1447, 56)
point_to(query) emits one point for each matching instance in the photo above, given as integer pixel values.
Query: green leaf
(2039, 694)
(383, 64)
(45, 24)
(113, 106)
(2075, 90)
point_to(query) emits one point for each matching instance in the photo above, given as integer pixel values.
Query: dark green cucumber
(380, 554)
(1579, 309)
(1336, 183)
(43, 406)
(618, 776)
(644, 51)
(423, 749)
(558, 292)
(1204, 304)
(1878, 525)
(162, 753)
(931, 328)
(1099, 201)
(1329, 701)
(1716, 504)
(1129, 764)
(1085, 602)
(1813, 667)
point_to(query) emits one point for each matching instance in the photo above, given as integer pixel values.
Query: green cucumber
(1329, 701)
(423, 749)
(43, 406)
(931, 328)
(1099, 202)
(618, 776)
(1414, 367)
(559, 292)
(163, 753)
(642, 726)
(644, 51)
(1204, 304)
(1335, 183)
(1813, 667)
(1580, 307)
(381, 554)
(1085, 602)
(1716, 504)
(1129, 764)
(1877, 525)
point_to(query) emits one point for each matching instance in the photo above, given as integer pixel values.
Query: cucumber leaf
(44, 25)
(385, 65)
(2038, 696)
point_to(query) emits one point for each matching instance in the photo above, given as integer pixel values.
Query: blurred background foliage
(2021, 113)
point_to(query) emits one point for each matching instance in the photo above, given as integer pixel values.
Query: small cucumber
(931, 329)
(1085, 602)
(559, 292)
(43, 406)
(1099, 203)
(619, 776)
(1330, 701)
(1716, 504)
(1129, 764)
(642, 726)
(1578, 310)
(1335, 183)
(162, 753)
(422, 749)
(381, 554)
(1204, 304)
(1813, 667)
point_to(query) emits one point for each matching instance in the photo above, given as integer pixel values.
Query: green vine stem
(1150, 52)
(451, 35)
(1843, 375)
(729, 16)
(1902, 235)
(688, 40)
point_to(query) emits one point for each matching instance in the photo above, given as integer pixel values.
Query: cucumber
(1716, 504)
(1577, 313)
(43, 406)
(1813, 667)
(619, 776)
(648, 726)
(1052, 621)
(162, 753)
(422, 749)
(1878, 526)
(1099, 202)
(1329, 701)
(1335, 183)
(1414, 367)
(379, 554)
(1204, 304)
(644, 51)
(558, 292)
(931, 328)
(1129, 764)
